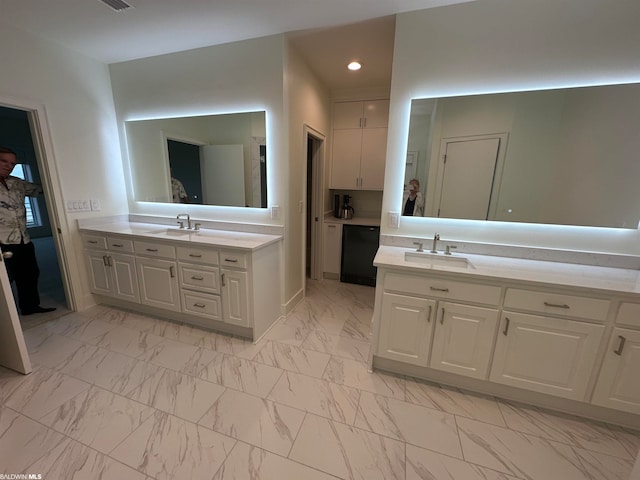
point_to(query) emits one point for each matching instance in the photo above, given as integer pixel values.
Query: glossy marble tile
(246, 462)
(348, 452)
(454, 401)
(313, 395)
(337, 345)
(605, 467)
(166, 447)
(289, 334)
(110, 370)
(356, 374)
(518, 454)
(37, 394)
(356, 328)
(409, 423)
(23, 441)
(259, 422)
(98, 418)
(72, 460)
(427, 465)
(241, 374)
(177, 393)
(239, 347)
(179, 356)
(292, 358)
(128, 341)
(54, 350)
(177, 331)
(562, 428)
(86, 330)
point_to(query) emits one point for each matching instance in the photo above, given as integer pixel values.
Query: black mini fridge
(359, 247)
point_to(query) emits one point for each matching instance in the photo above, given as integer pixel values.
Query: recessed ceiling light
(354, 66)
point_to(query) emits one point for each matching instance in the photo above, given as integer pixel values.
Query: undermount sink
(438, 260)
(172, 232)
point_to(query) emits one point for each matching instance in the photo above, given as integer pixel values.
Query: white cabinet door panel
(235, 308)
(99, 273)
(158, 283)
(345, 165)
(374, 154)
(545, 354)
(125, 281)
(463, 340)
(619, 385)
(406, 328)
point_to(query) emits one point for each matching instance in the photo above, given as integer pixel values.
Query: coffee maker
(347, 210)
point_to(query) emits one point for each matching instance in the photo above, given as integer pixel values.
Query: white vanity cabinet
(544, 351)
(157, 275)
(420, 325)
(235, 288)
(199, 277)
(618, 385)
(111, 272)
(359, 145)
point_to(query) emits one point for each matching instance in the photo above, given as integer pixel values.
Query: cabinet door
(235, 297)
(99, 273)
(125, 280)
(463, 339)
(546, 354)
(618, 386)
(158, 283)
(348, 115)
(376, 114)
(332, 247)
(345, 159)
(406, 328)
(373, 157)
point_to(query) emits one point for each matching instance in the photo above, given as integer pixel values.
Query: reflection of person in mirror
(178, 191)
(413, 200)
(21, 262)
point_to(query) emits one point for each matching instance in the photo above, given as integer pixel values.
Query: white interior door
(467, 179)
(13, 350)
(223, 175)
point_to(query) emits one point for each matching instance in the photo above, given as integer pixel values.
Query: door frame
(317, 201)
(52, 190)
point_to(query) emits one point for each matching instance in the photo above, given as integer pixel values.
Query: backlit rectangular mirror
(566, 156)
(209, 159)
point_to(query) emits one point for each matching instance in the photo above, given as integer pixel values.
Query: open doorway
(16, 134)
(314, 142)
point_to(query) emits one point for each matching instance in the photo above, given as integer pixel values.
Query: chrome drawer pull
(436, 289)
(429, 315)
(556, 305)
(506, 326)
(195, 256)
(199, 305)
(92, 241)
(152, 249)
(442, 318)
(118, 245)
(105, 260)
(223, 282)
(232, 260)
(197, 278)
(172, 272)
(623, 340)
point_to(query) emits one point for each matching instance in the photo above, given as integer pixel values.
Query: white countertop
(366, 221)
(204, 236)
(619, 280)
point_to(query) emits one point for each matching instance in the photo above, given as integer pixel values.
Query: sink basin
(172, 232)
(439, 260)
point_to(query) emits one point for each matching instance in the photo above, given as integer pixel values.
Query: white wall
(308, 103)
(502, 45)
(83, 152)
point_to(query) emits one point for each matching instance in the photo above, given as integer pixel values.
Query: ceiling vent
(117, 5)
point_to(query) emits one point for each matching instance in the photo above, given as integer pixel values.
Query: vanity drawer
(557, 304)
(202, 305)
(629, 314)
(206, 279)
(449, 289)
(96, 242)
(119, 244)
(153, 249)
(233, 259)
(198, 255)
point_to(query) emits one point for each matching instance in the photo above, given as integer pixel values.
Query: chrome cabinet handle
(436, 289)
(105, 260)
(199, 305)
(152, 249)
(222, 279)
(195, 255)
(506, 326)
(556, 305)
(172, 271)
(623, 340)
(442, 317)
(117, 245)
(197, 278)
(231, 260)
(92, 241)
(429, 315)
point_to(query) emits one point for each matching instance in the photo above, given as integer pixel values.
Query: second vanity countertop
(205, 236)
(609, 279)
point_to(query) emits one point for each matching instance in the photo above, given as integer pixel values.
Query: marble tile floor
(118, 395)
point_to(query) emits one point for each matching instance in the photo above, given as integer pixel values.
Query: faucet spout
(180, 215)
(434, 248)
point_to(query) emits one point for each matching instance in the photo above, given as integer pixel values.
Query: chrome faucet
(181, 223)
(436, 237)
